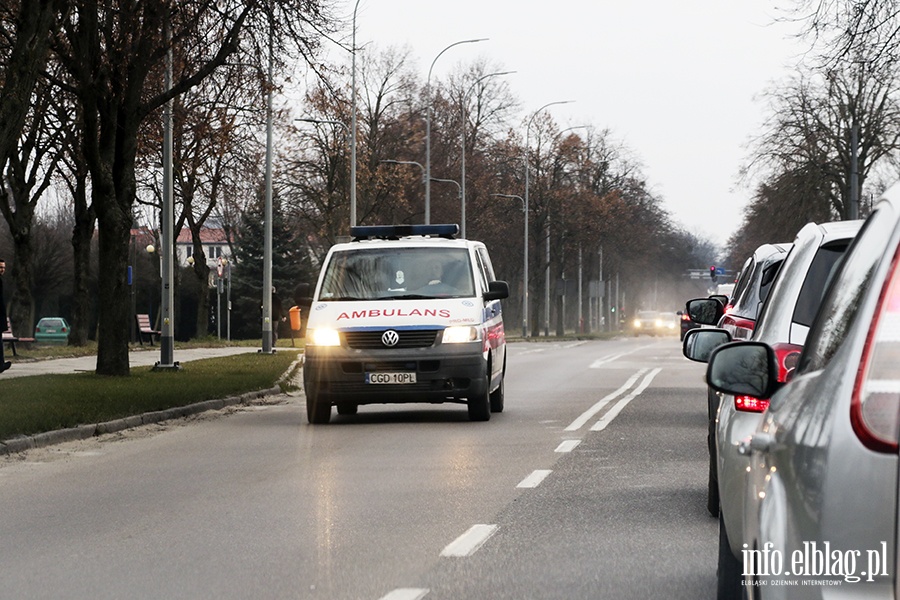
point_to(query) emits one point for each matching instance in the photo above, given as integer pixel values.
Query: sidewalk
(137, 358)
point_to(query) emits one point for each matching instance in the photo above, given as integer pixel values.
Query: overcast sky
(677, 81)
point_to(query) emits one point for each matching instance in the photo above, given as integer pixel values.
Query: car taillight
(739, 328)
(685, 317)
(786, 355)
(729, 308)
(875, 406)
(750, 404)
(37, 329)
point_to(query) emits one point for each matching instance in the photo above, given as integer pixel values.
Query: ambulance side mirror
(497, 290)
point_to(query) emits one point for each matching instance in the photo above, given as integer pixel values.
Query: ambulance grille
(409, 338)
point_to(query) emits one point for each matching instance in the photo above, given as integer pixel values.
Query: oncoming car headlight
(459, 334)
(637, 323)
(323, 337)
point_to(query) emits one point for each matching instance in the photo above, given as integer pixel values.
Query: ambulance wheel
(317, 412)
(480, 405)
(347, 408)
(497, 398)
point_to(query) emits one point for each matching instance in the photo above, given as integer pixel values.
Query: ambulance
(403, 314)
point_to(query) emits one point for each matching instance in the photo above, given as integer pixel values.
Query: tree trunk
(21, 305)
(82, 234)
(113, 327)
(201, 271)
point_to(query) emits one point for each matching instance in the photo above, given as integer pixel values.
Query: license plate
(390, 378)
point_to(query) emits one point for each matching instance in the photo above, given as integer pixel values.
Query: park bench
(12, 340)
(145, 328)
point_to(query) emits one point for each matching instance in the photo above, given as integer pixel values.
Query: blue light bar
(394, 232)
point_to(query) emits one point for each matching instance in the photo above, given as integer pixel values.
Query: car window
(842, 301)
(51, 323)
(820, 272)
(395, 273)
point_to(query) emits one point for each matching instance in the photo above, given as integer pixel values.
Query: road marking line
(470, 541)
(567, 445)
(535, 479)
(617, 408)
(405, 594)
(586, 415)
(608, 359)
(575, 344)
(530, 351)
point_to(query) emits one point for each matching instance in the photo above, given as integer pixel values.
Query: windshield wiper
(405, 297)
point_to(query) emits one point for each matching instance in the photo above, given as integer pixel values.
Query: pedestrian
(4, 364)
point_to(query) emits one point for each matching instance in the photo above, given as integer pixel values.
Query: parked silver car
(737, 314)
(783, 322)
(821, 510)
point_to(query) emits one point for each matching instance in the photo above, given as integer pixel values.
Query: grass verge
(30, 405)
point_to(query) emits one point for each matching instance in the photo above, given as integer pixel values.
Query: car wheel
(479, 405)
(712, 495)
(317, 411)
(497, 398)
(347, 408)
(729, 573)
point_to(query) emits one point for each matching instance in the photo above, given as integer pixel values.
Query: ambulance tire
(497, 398)
(479, 405)
(317, 412)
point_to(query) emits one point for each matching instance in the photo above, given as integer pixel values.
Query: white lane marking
(608, 359)
(575, 344)
(567, 445)
(405, 594)
(530, 351)
(535, 479)
(618, 406)
(586, 415)
(470, 541)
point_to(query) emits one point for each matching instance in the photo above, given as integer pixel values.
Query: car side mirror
(497, 290)
(705, 311)
(743, 369)
(699, 344)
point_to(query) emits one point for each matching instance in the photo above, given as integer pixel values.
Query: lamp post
(408, 162)
(527, 169)
(462, 145)
(267, 339)
(428, 127)
(524, 264)
(353, 123)
(458, 193)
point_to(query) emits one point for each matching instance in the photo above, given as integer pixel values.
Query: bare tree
(114, 57)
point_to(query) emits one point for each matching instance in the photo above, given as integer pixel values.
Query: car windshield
(397, 274)
(51, 323)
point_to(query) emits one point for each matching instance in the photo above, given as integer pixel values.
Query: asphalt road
(591, 484)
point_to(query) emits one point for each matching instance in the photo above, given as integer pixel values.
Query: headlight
(323, 337)
(637, 322)
(461, 334)
(659, 323)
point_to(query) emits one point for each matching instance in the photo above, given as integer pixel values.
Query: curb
(83, 432)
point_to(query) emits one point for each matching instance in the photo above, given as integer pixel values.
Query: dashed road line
(470, 541)
(567, 445)
(405, 594)
(535, 479)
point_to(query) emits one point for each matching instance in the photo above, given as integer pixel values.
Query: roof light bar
(393, 232)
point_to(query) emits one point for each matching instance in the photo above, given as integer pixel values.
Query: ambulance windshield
(398, 274)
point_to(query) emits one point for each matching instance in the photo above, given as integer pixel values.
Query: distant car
(823, 462)
(52, 330)
(686, 323)
(782, 323)
(652, 323)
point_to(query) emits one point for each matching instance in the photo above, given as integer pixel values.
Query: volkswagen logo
(390, 338)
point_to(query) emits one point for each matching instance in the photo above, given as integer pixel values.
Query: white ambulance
(405, 313)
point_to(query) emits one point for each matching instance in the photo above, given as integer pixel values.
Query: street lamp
(462, 145)
(353, 124)
(458, 193)
(525, 263)
(527, 169)
(428, 127)
(407, 162)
